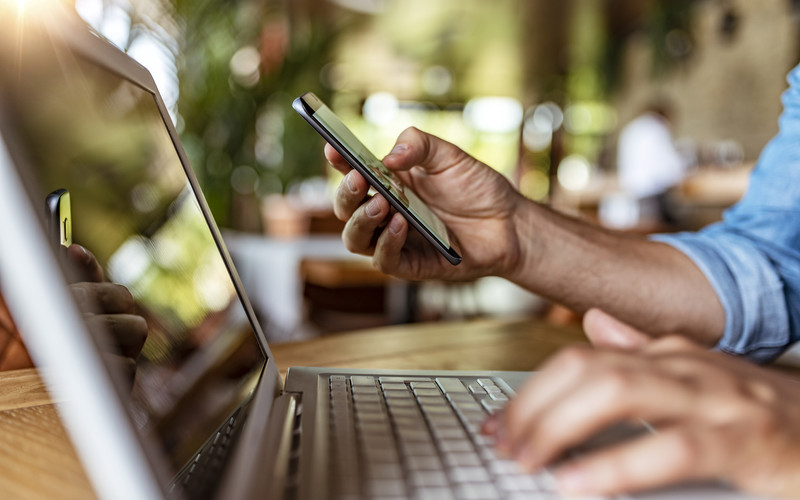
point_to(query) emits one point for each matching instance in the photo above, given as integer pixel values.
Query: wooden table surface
(37, 460)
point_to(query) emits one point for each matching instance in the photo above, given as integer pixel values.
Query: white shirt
(648, 163)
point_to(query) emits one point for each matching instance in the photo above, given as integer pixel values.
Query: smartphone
(59, 218)
(383, 180)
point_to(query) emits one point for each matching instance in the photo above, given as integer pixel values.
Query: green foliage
(225, 119)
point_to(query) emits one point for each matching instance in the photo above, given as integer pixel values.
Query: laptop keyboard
(418, 437)
(198, 477)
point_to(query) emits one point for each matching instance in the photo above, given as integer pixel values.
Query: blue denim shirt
(752, 257)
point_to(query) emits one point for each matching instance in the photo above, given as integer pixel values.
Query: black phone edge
(52, 203)
(306, 112)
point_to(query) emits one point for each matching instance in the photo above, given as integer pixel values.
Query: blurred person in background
(648, 164)
(734, 286)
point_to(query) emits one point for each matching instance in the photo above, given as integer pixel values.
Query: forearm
(649, 285)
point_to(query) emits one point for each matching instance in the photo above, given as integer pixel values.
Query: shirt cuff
(750, 290)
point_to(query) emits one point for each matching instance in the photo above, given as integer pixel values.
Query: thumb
(86, 263)
(415, 148)
(606, 331)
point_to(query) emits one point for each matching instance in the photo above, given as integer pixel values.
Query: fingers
(336, 160)
(388, 250)
(542, 390)
(606, 331)
(108, 298)
(359, 232)
(417, 148)
(126, 332)
(674, 455)
(592, 406)
(123, 366)
(350, 195)
(86, 263)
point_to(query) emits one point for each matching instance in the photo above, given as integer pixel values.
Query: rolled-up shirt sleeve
(749, 284)
(752, 257)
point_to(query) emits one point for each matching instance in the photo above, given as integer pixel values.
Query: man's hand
(716, 417)
(606, 331)
(108, 307)
(475, 202)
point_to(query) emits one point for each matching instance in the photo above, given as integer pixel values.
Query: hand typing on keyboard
(717, 417)
(419, 437)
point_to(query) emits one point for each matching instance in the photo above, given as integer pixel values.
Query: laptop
(200, 411)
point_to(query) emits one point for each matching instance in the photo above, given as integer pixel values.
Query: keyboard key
(460, 397)
(394, 387)
(428, 392)
(381, 455)
(486, 382)
(384, 471)
(377, 442)
(424, 385)
(479, 491)
(426, 462)
(430, 401)
(386, 487)
(357, 380)
(367, 398)
(469, 475)
(504, 467)
(451, 385)
(456, 446)
(483, 440)
(498, 396)
(392, 380)
(517, 483)
(468, 406)
(474, 417)
(438, 420)
(462, 460)
(477, 389)
(365, 389)
(493, 406)
(418, 449)
(419, 435)
(433, 494)
(429, 478)
(450, 433)
(399, 399)
(374, 428)
(409, 423)
(432, 409)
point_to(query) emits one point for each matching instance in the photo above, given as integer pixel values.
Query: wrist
(526, 248)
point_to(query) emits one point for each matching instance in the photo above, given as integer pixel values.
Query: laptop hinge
(286, 409)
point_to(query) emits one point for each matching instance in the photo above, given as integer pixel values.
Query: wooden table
(37, 460)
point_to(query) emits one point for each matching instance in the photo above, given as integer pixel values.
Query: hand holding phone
(383, 180)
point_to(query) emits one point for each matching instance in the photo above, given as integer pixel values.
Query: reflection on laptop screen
(102, 138)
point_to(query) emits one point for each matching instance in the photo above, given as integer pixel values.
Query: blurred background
(641, 115)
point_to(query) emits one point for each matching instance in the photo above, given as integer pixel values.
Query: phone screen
(386, 177)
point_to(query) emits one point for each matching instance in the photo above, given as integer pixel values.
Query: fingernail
(395, 225)
(398, 149)
(372, 208)
(351, 184)
(86, 257)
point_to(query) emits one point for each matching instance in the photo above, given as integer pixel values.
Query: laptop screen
(84, 130)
